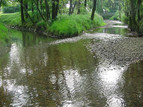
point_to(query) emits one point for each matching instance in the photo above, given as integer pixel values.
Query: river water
(45, 72)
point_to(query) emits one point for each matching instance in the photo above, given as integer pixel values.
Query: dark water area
(45, 72)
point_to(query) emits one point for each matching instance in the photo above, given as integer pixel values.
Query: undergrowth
(64, 25)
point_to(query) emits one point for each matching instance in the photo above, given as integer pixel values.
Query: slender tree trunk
(70, 9)
(32, 7)
(37, 6)
(26, 10)
(1, 2)
(120, 9)
(78, 11)
(47, 10)
(22, 12)
(138, 9)
(85, 3)
(133, 16)
(55, 8)
(74, 7)
(93, 10)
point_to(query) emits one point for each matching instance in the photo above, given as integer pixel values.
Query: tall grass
(73, 25)
(64, 25)
(11, 18)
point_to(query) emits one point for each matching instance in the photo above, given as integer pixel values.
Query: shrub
(66, 25)
(115, 16)
(124, 18)
(11, 18)
(11, 9)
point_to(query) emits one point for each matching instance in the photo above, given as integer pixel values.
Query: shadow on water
(45, 72)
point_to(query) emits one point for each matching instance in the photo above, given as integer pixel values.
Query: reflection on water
(43, 72)
(121, 30)
(133, 86)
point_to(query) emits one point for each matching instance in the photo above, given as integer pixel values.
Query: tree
(55, 8)
(47, 10)
(22, 11)
(93, 10)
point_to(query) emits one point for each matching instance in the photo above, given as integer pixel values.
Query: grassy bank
(4, 39)
(74, 24)
(3, 35)
(64, 25)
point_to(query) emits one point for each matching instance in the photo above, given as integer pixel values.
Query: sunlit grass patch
(66, 25)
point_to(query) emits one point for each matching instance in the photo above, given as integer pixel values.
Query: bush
(12, 9)
(124, 18)
(115, 16)
(42, 25)
(11, 18)
(66, 25)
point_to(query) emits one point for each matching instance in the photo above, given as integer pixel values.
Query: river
(45, 72)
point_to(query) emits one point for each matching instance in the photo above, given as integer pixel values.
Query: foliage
(133, 14)
(54, 17)
(72, 25)
(115, 16)
(64, 25)
(11, 18)
(11, 9)
(124, 18)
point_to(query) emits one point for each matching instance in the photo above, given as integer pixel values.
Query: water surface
(45, 72)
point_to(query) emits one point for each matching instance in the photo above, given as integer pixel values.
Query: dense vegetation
(60, 18)
(70, 17)
(133, 12)
(128, 11)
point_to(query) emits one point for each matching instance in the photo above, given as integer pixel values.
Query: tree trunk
(22, 12)
(119, 10)
(93, 10)
(37, 6)
(32, 7)
(47, 10)
(74, 6)
(78, 11)
(85, 3)
(0, 3)
(133, 23)
(55, 8)
(138, 9)
(26, 10)
(70, 9)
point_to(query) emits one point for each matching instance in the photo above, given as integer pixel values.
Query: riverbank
(117, 49)
(4, 39)
(64, 26)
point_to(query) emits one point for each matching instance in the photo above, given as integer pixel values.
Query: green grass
(64, 25)
(3, 34)
(73, 25)
(10, 18)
